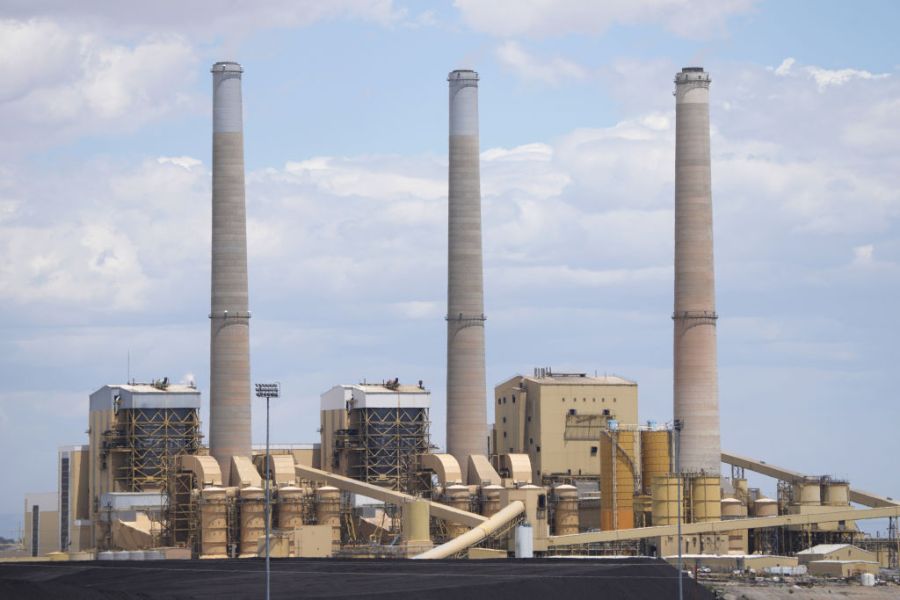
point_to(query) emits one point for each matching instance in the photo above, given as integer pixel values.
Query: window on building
(572, 411)
(529, 418)
(593, 450)
(504, 419)
(614, 399)
(514, 399)
(538, 448)
(504, 434)
(498, 400)
(510, 449)
(531, 441)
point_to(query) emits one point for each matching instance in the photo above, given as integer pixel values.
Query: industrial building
(567, 467)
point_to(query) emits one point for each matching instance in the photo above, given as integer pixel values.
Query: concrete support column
(466, 396)
(696, 391)
(229, 387)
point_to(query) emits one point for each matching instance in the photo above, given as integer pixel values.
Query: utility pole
(268, 391)
(677, 425)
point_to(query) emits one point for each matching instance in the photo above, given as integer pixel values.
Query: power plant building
(566, 469)
(558, 419)
(376, 432)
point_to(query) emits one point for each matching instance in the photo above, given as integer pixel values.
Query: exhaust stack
(229, 388)
(466, 398)
(696, 389)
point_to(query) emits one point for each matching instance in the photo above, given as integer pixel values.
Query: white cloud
(207, 18)
(863, 256)
(834, 77)
(531, 68)
(506, 18)
(785, 67)
(77, 82)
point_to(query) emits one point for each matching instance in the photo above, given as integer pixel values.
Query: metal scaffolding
(148, 441)
(382, 446)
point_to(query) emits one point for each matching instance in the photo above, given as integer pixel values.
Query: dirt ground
(778, 592)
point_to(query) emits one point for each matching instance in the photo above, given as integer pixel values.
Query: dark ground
(550, 579)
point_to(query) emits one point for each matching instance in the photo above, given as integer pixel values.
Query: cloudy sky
(105, 206)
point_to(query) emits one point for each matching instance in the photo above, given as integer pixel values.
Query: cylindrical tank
(328, 511)
(213, 523)
(765, 507)
(154, 555)
(121, 555)
(656, 457)
(618, 454)
(105, 555)
(732, 508)
(457, 496)
(416, 521)
(665, 500)
(490, 499)
(136, 555)
(253, 520)
(836, 494)
(290, 507)
(807, 493)
(524, 541)
(566, 519)
(706, 499)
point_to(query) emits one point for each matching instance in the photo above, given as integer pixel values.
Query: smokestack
(696, 389)
(229, 352)
(466, 399)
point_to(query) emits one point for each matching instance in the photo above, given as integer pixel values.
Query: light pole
(268, 391)
(677, 425)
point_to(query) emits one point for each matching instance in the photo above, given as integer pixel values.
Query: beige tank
(328, 511)
(566, 519)
(213, 523)
(416, 525)
(836, 494)
(617, 464)
(706, 499)
(765, 507)
(807, 493)
(656, 457)
(253, 520)
(665, 500)
(490, 499)
(732, 508)
(457, 496)
(289, 508)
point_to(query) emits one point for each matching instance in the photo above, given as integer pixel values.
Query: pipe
(441, 511)
(506, 515)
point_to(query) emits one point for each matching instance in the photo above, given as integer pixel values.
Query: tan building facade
(557, 419)
(41, 523)
(75, 532)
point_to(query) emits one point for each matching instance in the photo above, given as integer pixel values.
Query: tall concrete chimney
(229, 349)
(696, 389)
(466, 396)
